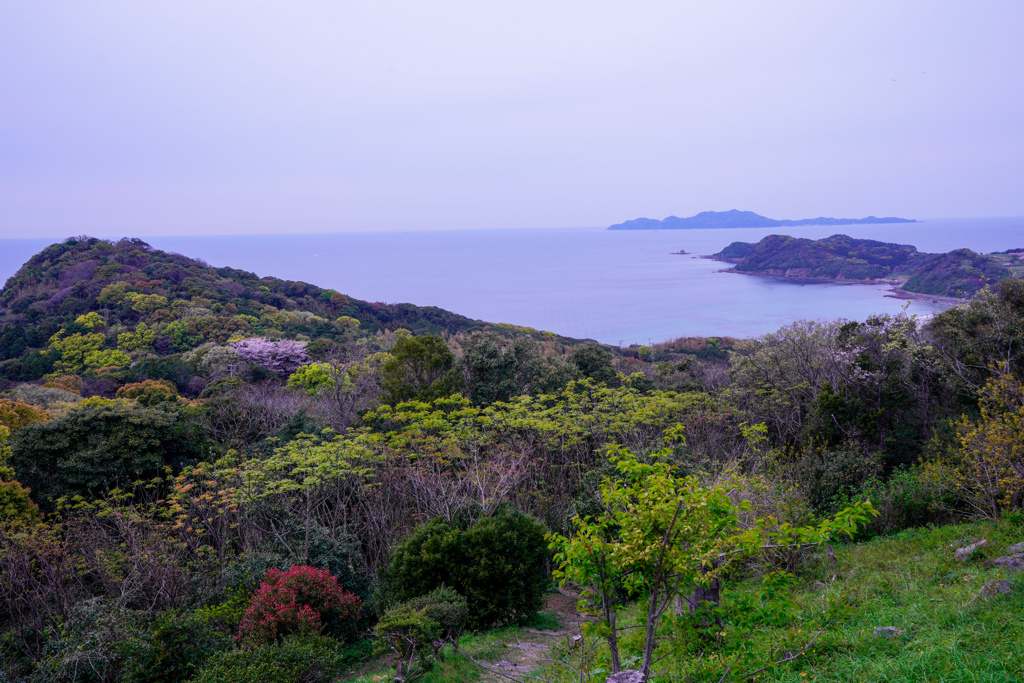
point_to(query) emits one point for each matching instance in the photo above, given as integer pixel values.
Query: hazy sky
(211, 116)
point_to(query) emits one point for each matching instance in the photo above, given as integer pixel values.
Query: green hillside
(211, 477)
(960, 273)
(181, 302)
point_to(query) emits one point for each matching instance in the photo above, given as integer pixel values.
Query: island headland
(742, 219)
(954, 275)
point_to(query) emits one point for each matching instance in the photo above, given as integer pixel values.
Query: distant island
(957, 274)
(742, 219)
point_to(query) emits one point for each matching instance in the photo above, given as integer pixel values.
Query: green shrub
(88, 645)
(417, 630)
(447, 609)
(410, 634)
(295, 660)
(498, 563)
(176, 647)
(830, 476)
(101, 444)
(906, 499)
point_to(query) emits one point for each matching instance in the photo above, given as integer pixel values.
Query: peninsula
(741, 219)
(957, 274)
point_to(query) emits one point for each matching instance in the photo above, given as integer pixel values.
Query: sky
(236, 117)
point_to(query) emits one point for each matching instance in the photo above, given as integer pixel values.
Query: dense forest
(210, 476)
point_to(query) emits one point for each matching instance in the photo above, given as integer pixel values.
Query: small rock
(627, 676)
(1015, 562)
(1016, 548)
(886, 632)
(996, 588)
(511, 667)
(529, 646)
(963, 554)
(545, 632)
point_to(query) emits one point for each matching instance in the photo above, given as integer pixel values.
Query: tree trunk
(709, 594)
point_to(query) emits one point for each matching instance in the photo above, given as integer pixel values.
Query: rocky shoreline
(896, 290)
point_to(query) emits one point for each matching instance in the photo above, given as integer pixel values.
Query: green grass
(451, 667)
(542, 621)
(911, 581)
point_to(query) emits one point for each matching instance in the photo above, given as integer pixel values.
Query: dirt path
(531, 647)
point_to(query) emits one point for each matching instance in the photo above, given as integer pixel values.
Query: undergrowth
(948, 631)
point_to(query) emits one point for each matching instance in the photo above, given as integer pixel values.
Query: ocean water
(618, 287)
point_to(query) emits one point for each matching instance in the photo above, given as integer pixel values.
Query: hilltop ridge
(184, 303)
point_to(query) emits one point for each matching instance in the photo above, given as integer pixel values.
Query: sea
(616, 287)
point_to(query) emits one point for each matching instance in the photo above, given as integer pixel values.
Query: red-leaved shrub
(295, 602)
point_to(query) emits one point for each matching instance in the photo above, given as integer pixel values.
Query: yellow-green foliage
(141, 339)
(90, 320)
(5, 454)
(113, 294)
(105, 359)
(316, 378)
(74, 349)
(147, 303)
(986, 472)
(348, 322)
(16, 504)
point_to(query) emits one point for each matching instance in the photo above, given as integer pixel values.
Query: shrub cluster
(499, 563)
(295, 602)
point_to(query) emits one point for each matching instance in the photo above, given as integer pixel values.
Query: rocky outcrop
(965, 553)
(1013, 562)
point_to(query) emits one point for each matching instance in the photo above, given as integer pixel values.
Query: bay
(618, 287)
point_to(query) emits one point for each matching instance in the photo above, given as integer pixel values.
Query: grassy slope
(910, 581)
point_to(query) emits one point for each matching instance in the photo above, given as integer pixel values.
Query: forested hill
(180, 302)
(742, 219)
(959, 273)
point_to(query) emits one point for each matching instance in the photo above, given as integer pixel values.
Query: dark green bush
(177, 646)
(98, 446)
(445, 607)
(410, 635)
(89, 644)
(420, 369)
(498, 563)
(830, 476)
(905, 500)
(595, 362)
(295, 660)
